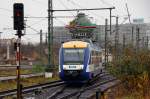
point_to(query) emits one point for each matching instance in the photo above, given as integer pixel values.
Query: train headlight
(64, 68)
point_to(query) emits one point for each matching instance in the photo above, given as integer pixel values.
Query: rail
(103, 88)
(8, 78)
(97, 89)
(31, 88)
(5, 67)
(86, 91)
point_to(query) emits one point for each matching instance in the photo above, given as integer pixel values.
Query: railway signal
(18, 15)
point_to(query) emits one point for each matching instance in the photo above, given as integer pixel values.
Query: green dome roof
(82, 20)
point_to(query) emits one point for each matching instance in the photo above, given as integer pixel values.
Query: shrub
(38, 68)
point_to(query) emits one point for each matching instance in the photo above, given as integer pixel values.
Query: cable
(33, 34)
(5, 15)
(53, 17)
(38, 22)
(76, 4)
(65, 6)
(64, 16)
(29, 40)
(33, 17)
(60, 21)
(27, 26)
(8, 10)
(106, 3)
(124, 21)
(84, 7)
(39, 2)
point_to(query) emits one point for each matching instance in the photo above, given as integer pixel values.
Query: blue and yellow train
(79, 61)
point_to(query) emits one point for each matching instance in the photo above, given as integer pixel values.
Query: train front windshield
(73, 56)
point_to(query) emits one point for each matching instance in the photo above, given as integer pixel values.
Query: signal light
(18, 15)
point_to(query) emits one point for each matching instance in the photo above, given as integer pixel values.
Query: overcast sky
(38, 8)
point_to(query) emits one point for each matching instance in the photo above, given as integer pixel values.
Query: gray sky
(137, 9)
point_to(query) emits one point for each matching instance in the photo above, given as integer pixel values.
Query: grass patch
(38, 68)
(26, 82)
(13, 72)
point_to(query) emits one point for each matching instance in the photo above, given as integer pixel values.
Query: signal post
(18, 16)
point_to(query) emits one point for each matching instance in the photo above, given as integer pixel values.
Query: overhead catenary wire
(37, 23)
(40, 17)
(27, 26)
(8, 10)
(60, 21)
(109, 4)
(65, 6)
(84, 7)
(105, 2)
(39, 2)
(35, 17)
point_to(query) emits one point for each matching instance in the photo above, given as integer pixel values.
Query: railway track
(85, 91)
(13, 67)
(9, 78)
(60, 90)
(31, 89)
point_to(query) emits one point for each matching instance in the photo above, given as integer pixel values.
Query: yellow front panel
(75, 44)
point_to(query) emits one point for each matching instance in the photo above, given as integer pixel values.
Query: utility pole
(110, 19)
(46, 39)
(143, 42)
(137, 38)
(124, 41)
(18, 61)
(106, 30)
(41, 41)
(132, 36)
(147, 40)
(0, 38)
(116, 39)
(50, 35)
(8, 53)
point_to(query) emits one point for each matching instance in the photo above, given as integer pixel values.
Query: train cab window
(73, 56)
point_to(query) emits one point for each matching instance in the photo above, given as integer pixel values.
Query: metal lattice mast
(41, 43)
(50, 33)
(110, 19)
(137, 38)
(132, 36)
(124, 42)
(116, 39)
(147, 40)
(0, 38)
(106, 30)
(143, 42)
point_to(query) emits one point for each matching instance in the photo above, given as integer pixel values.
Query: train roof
(75, 44)
(81, 44)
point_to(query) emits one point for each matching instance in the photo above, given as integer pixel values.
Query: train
(79, 61)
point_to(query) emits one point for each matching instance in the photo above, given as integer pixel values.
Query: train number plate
(73, 67)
